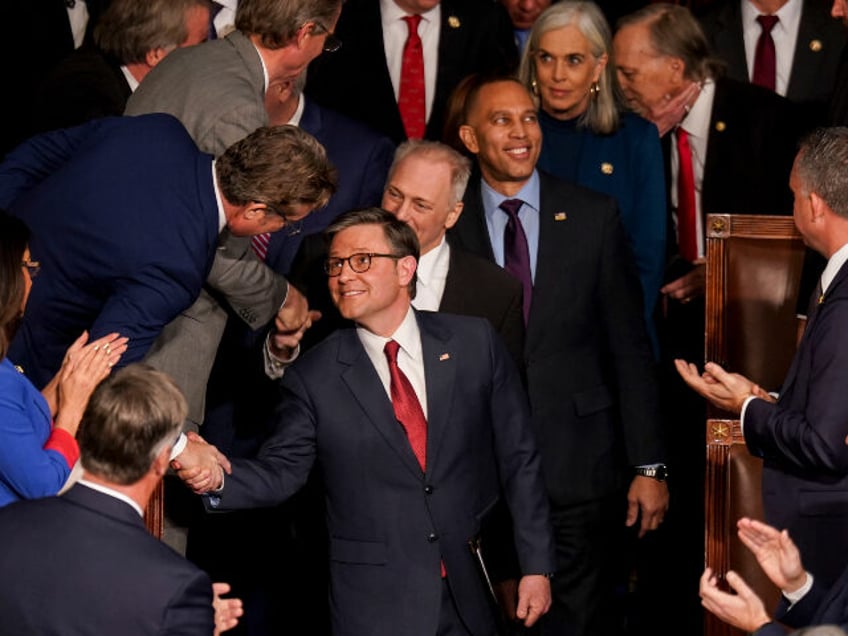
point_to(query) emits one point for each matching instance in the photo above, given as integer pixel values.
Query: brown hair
(14, 237)
(276, 23)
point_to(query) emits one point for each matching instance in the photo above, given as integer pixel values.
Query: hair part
(279, 166)
(602, 114)
(131, 417)
(14, 239)
(400, 236)
(822, 167)
(129, 29)
(436, 152)
(276, 23)
(675, 32)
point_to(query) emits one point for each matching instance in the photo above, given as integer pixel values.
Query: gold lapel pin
(720, 126)
(606, 168)
(19, 369)
(453, 22)
(444, 356)
(816, 46)
(560, 216)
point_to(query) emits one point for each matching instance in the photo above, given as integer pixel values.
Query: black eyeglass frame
(331, 43)
(334, 265)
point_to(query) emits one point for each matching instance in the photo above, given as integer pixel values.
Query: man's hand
(283, 343)
(647, 499)
(691, 285)
(725, 390)
(294, 312)
(201, 466)
(534, 598)
(672, 111)
(744, 609)
(227, 610)
(777, 555)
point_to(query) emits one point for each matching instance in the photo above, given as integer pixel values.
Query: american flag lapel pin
(560, 216)
(444, 356)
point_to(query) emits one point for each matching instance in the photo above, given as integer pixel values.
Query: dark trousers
(589, 586)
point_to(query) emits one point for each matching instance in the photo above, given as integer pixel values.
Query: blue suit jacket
(802, 440)
(362, 158)
(820, 606)
(389, 522)
(27, 469)
(124, 222)
(83, 564)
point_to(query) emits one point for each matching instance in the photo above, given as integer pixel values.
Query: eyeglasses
(331, 42)
(359, 263)
(290, 228)
(33, 267)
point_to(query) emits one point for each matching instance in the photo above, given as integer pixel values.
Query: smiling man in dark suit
(588, 359)
(415, 420)
(364, 78)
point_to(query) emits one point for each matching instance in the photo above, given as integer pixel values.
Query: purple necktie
(516, 250)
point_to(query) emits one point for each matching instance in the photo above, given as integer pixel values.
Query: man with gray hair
(83, 562)
(801, 435)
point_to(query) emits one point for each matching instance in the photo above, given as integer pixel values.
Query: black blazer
(821, 40)
(589, 365)
(84, 564)
(476, 36)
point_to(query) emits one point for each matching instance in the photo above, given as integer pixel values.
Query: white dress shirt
(784, 34)
(410, 356)
(432, 273)
(697, 125)
(225, 19)
(395, 33)
(78, 18)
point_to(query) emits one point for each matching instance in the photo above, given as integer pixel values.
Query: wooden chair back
(753, 272)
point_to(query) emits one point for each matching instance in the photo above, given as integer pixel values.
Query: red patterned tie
(687, 234)
(765, 62)
(411, 102)
(406, 405)
(259, 244)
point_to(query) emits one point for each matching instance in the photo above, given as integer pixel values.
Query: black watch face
(662, 473)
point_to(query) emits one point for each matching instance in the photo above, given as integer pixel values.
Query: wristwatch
(658, 472)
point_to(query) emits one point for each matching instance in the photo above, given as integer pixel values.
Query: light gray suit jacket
(217, 90)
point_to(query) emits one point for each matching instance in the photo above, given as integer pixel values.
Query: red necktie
(687, 234)
(406, 405)
(413, 110)
(765, 63)
(516, 250)
(259, 244)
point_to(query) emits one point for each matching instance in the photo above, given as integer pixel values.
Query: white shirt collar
(406, 335)
(131, 80)
(432, 272)
(264, 68)
(391, 12)
(789, 16)
(222, 217)
(834, 264)
(697, 122)
(298, 112)
(112, 493)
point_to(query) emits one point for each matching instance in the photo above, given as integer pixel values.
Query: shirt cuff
(742, 412)
(275, 367)
(65, 444)
(797, 595)
(179, 446)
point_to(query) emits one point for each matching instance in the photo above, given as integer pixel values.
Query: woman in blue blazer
(37, 451)
(588, 139)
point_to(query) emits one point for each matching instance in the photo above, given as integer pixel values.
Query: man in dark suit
(363, 78)
(414, 444)
(83, 562)
(801, 436)
(807, 43)
(129, 40)
(589, 362)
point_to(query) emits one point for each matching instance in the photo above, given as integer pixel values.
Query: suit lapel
(365, 387)
(439, 373)
(730, 40)
(805, 56)
(470, 232)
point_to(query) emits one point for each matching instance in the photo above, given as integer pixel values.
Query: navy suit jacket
(83, 564)
(589, 364)
(389, 523)
(821, 40)
(362, 158)
(802, 440)
(124, 222)
(475, 36)
(820, 606)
